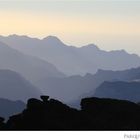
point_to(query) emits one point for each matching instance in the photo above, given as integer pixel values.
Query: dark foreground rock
(95, 114)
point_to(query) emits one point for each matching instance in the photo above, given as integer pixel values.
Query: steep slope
(67, 89)
(14, 87)
(72, 60)
(119, 90)
(9, 108)
(30, 67)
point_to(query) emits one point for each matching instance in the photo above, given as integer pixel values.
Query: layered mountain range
(31, 67)
(15, 87)
(72, 60)
(76, 87)
(119, 90)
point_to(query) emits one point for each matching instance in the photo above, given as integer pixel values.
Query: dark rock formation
(111, 114)
(2, 124)
(44, 98)
(95, 114)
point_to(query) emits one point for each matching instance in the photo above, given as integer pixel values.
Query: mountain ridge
(53, 37)
(10, 107)
(31, 67)
(13, 86)
(122, 90)
(72, 60)
(72, 88)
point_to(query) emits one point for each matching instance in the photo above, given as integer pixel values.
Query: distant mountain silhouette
(67, 89)
(95, 114)
(32, 68)
(14, 87)
(72, 60)
(9, 108)
(72, 89)
(119, 90)
(125, 75)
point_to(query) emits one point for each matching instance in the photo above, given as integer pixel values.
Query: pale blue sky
(108, 23)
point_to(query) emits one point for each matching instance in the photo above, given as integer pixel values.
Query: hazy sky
(109, 24)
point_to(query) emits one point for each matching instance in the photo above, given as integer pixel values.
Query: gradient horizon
(109, 24)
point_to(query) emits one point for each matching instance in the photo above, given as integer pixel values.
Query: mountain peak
(91, 46)
(53, 40)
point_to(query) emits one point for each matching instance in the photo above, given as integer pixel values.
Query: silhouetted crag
(111, 114)
(95, 114)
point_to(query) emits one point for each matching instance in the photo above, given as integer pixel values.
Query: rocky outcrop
(95, 114)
